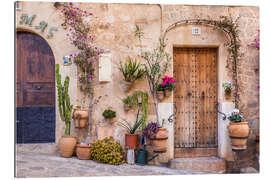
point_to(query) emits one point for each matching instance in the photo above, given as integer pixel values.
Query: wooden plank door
(195, 72)
(35, 89)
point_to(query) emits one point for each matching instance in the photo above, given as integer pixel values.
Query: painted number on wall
(25, 19)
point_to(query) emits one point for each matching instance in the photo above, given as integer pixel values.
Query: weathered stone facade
(118, 39)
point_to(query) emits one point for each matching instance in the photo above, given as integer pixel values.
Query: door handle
(38, 87)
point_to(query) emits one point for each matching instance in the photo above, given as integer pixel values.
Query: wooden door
(195, 72)
(35, 89)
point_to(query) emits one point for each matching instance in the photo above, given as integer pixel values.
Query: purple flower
(90, 77)
(70, 3)
(91, 14)
(258, 86)
(70, 55)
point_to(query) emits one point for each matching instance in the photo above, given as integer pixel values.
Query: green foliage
(64, 106)
(131, 70)
(107, 114)
(131, 129)
(169, 87)
(127, 100)
(107, 151)
(144, 109)
(138, 31)
(160, 87)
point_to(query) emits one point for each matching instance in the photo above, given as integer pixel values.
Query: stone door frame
(181, 37)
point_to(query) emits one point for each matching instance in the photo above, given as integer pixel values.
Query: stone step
(44, 148)
(199, 164)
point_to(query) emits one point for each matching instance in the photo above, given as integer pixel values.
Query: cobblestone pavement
(38, 164)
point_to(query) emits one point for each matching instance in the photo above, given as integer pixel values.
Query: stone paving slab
(37, 164)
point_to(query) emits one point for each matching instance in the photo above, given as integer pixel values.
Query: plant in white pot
(67, 143)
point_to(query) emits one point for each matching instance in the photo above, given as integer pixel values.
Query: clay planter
(111, 120)
(67, 146)
(160, 141)
(258, 143)
(131, 141)
(83, 152)
(80, 117)
(239, 134)
(126, 85)
(168, 93)
(127, 107)
(160, 95)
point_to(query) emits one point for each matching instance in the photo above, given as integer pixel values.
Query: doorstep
(213, 164)
(44, 148)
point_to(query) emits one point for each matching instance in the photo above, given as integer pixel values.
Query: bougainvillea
(81, 34)
(256, 41)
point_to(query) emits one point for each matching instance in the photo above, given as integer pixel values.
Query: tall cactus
(64, 106)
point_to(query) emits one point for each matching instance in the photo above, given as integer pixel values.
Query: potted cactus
(67, 143)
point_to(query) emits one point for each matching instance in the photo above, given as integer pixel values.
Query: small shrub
(107, 151)
(107, 114)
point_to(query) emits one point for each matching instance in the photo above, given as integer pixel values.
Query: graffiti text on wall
(25, 19)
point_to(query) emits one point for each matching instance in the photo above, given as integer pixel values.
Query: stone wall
(117, 38)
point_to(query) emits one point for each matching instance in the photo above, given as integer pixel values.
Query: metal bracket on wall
(224, 115)
(170, 119)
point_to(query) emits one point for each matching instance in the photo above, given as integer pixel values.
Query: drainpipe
(161, 20)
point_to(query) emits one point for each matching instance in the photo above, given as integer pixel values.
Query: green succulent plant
(107, 151)
(107, 114)
(131, 129)
(131, 70)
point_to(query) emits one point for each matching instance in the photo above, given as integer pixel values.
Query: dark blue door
(35, 90)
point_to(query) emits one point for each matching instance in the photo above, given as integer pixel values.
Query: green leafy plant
(160, 87)
(127, 100)
(108, 114)
(107, 151)
(64, 106)
(235, 116)
(131, 129)
(131, 70)
(169, 87)
(157, 63)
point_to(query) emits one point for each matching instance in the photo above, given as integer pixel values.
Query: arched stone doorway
(35, 89)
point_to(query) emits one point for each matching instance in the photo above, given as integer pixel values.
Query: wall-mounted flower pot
(131, 140)
(80, 117)
(228, 93)
(238, 132)
(83, 152)
(126, 85)
(67, 146)
(111, 120)
(168, 93)
(160, 95)
(159, 142)
(127, 107)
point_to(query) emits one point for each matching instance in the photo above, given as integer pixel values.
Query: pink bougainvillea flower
(90, 77)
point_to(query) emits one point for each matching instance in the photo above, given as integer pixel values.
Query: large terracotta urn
(160, 141)
(80, 117)
(67, 146)
(239, 134)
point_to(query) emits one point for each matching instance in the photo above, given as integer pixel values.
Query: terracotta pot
(168, 93)
(131, 140)
(160, 95)
(126, 85)
(80, 117)
(239, 134)
(67, 146)
(160, 141)
(111, 120)
(83, 152)
(258, 143)
(127, 107)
